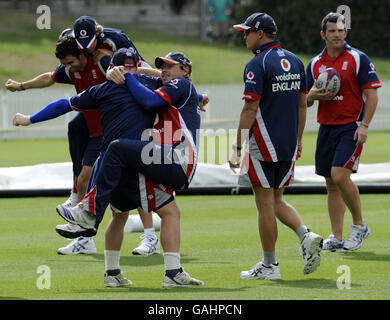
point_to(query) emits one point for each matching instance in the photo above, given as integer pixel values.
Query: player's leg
(267, 226)
(113, 276)
(311, 243)
(261, 176)
(82, 182)
(327, 142)
(350, 195)
(175, 276)
(336, 209)
(82, 245)
(345, 162)
(78, 138)
(149, 244)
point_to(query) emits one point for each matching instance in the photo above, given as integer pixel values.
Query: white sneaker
(181, 279)
(71, 201)
(148, 246)
(76, 215)
(116, 281)
(262, 272)
(68, 230)
(356, 236)
(311, 247)
(79, 246)
(332, 244)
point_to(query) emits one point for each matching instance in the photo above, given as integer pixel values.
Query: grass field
(26, 51)
(219, 239)
(28, 152)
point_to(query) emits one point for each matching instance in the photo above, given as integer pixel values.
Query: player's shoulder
(148, 81)
(316, 58)
(180, 82)
(355, 51)
(284, 53)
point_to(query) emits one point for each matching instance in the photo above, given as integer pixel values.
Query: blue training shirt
(121, 116)
(276, 77)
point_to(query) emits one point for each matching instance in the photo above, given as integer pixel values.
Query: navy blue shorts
(133, 190)
(336, 148)
(92, 151)
(265, 174)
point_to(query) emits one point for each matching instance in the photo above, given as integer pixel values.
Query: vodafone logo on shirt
(286, 65)
(250, 75)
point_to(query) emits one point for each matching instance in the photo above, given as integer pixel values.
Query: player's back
(284, 82)
(121, 116)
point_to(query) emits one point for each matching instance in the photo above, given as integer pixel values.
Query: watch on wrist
(235, 147)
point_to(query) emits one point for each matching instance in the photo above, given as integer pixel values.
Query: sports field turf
(219, 239)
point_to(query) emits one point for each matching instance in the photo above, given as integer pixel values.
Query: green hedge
(299, 23)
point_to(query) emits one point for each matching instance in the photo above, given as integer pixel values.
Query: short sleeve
(254, 81)
(304, 87)
(61, 75)
(367, 75)
(309, 76)
(105, 62)
(175, 91)
(85, 100)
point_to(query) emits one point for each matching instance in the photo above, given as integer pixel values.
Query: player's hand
(319, 94)
(13, 85)
(235, 160)
(360, 135)
(116, 75)
(299, 151)
(21, 120)
(100, 53)
(204, 101)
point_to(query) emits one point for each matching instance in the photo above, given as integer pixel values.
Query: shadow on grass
(365, 255)
(156, 259)
(135, 290)
(309, 283)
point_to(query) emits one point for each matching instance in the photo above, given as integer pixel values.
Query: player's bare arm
(42, 81)
(361, 132)
(317, 94)
(302, 122)
(149, 71)
(247, 118)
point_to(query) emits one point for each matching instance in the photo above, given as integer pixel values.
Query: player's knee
(339, 177)
(114, 146)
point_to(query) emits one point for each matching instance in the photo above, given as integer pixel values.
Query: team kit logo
(286, 65)
(249, 77)
(83, 34)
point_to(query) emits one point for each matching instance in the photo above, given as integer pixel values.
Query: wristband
(235, 147)
(21, 86)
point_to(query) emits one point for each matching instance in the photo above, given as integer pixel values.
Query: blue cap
(258, 21)
(119, 57)
(85, 32)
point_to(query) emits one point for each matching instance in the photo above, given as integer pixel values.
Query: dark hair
(66, 46)
(332, 17)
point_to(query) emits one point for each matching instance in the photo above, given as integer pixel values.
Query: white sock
(111, 258)
(149, 232)
(172, 260)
